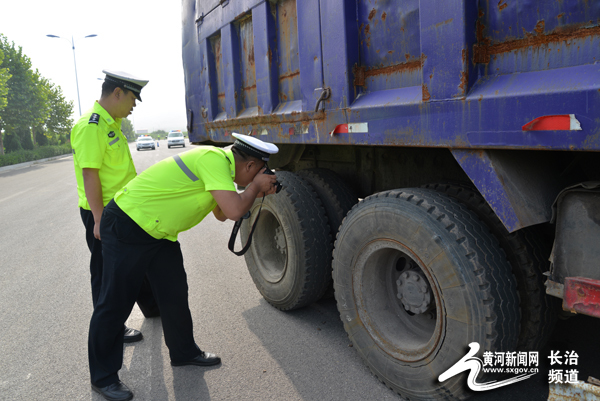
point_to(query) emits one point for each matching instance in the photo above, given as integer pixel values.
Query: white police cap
(254, 147)
(126, 81)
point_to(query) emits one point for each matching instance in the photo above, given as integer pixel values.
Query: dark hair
(109, 87)
(243, 155)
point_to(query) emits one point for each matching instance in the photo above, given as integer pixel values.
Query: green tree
(4, 77)
(40, 106)
(127, 129)
(25, 104)
(58, 122)
(35, 110)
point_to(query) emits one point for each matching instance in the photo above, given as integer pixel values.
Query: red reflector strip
(582, 295)
(563, 122)
(340, 129)
(352, 128)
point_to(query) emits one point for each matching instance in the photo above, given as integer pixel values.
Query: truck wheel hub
(280, 239)
(414, 292)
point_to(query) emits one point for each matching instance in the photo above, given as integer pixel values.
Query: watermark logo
(566, 374)
(519, 363)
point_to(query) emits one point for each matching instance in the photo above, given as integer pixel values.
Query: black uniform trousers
(145, 299)
(130, 254)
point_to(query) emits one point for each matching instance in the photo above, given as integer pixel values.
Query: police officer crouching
(139, 235)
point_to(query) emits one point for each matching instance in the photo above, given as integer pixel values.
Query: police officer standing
(103, 165)
(139, 234)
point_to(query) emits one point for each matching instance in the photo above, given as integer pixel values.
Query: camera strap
(236, 228)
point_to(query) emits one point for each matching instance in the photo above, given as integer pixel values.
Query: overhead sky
(142, 37)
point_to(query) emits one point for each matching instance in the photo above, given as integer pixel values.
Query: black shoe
(204, 359)
(114, 392)
(132, 335)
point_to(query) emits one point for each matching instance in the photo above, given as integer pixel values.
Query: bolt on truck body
(468, 130)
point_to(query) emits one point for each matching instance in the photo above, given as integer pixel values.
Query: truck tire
(528, 255)
(417, 278)
(337, 197)
(291, 246)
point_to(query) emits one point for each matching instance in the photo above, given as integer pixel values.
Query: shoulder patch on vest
(94, 118)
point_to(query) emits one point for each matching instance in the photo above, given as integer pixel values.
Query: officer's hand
(265, 182)
(97, 231)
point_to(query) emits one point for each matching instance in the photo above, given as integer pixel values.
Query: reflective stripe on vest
(114, 141)
(185, 168)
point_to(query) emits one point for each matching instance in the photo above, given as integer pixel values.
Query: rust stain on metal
(267, 121)
(361, 73)
(247, 88)
(243, 16)
(560, 15)
(426, 95)
(289, 76)
(443, 22)
(502, 5)
(390, 52)
(383, 16)
(483, 50)
(539, 27)
(464, 80)
(367, 29)
(372, 14)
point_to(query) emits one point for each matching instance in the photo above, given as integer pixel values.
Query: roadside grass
(41, 152)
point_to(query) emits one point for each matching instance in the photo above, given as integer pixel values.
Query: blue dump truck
(439, 163)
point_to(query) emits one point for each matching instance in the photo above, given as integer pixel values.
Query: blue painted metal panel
(265, 51)
(340, 50)
(390, 44)
(287, 52)
(309, 46)
(512, 19)
(212, 77)
(530, 35)
(222, 16)
(478, 165)
(231, 70)
(247, 65)
(445, 42)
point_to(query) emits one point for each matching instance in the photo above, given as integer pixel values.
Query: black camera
(277, 183)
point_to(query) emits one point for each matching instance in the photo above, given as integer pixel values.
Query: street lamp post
(72, 42)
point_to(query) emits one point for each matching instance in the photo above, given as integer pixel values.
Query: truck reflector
(350, 128)
(563, 122)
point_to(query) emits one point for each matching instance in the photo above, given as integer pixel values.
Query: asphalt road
(45, 307)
